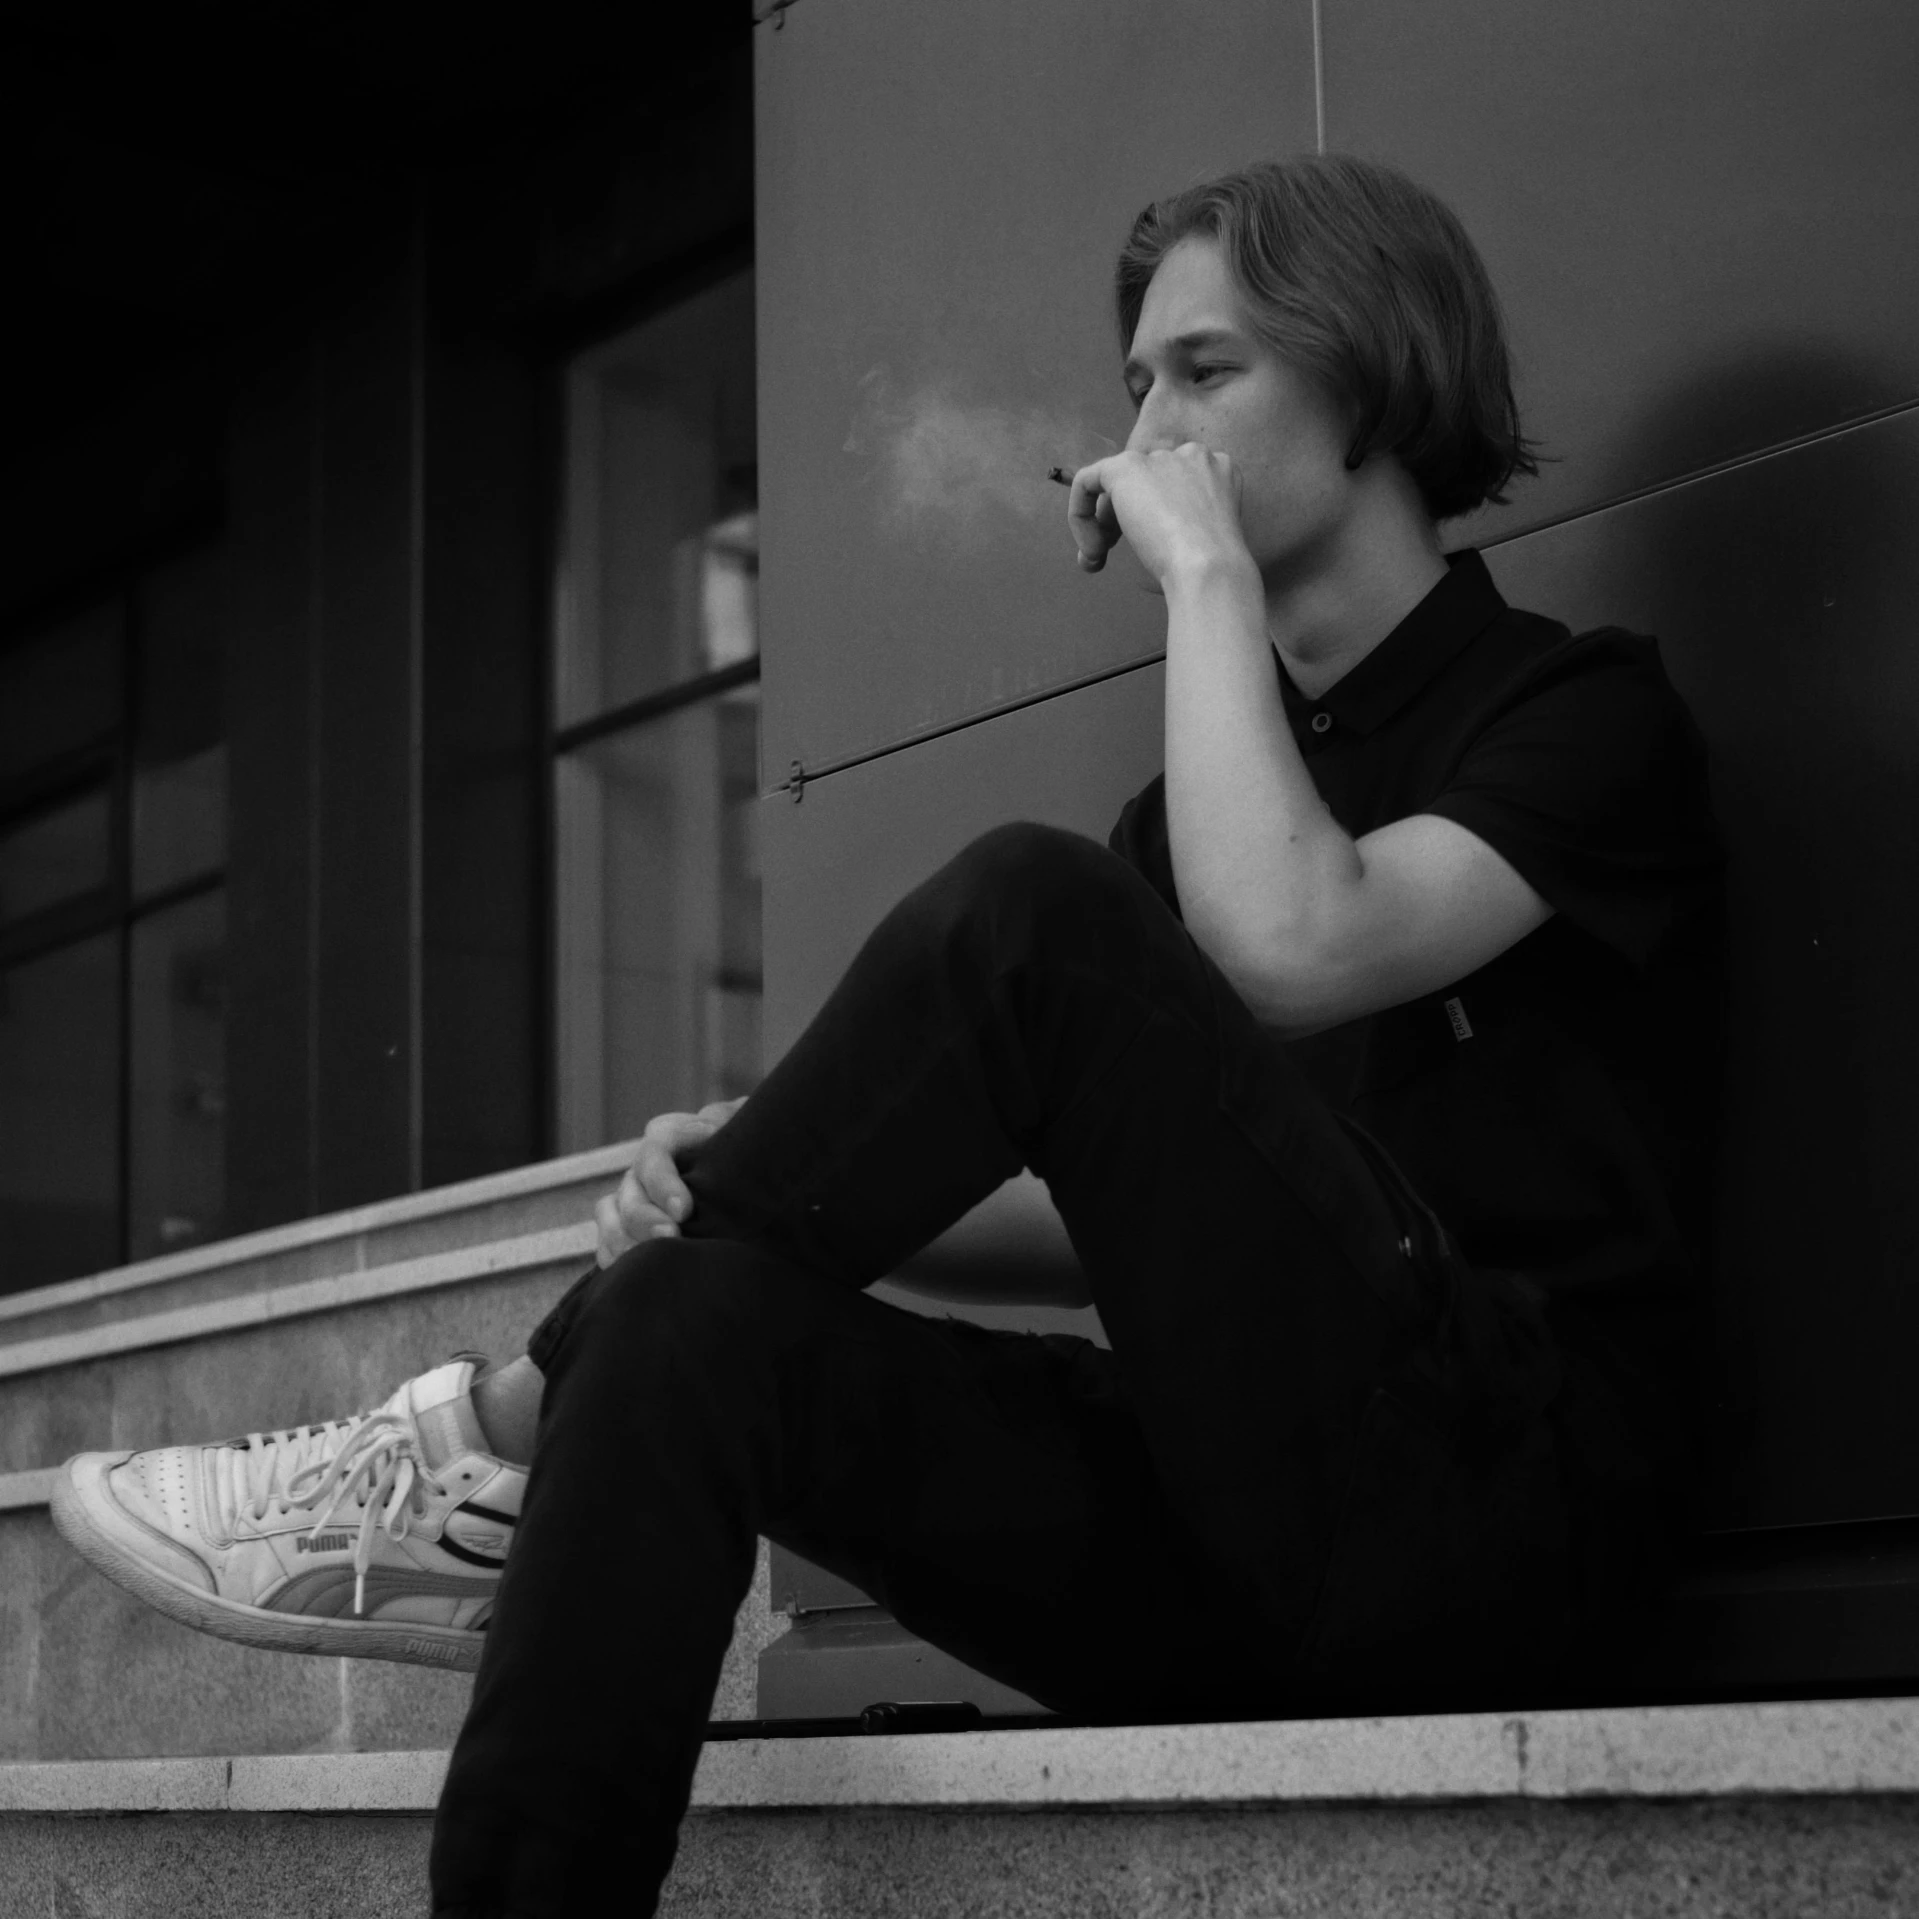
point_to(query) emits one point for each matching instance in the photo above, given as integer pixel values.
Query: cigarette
(1059, 474)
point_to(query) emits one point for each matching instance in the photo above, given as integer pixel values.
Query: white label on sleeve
(1462, 1026)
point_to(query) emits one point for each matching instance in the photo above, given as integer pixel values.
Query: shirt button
(1322, 722)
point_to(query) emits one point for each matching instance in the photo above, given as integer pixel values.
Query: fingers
(613, 1239)
(1090, 516)
(632, 1215)
(653, 1199)
(653, 1189)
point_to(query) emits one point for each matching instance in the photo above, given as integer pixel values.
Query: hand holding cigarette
(1182, 509)
(1102, 515)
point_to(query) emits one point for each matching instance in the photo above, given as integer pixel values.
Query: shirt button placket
(1322, 722)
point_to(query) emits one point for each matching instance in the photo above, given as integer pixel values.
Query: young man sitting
(1368, 1069)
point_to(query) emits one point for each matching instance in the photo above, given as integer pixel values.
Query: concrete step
(555, 1194)
(1805, 1810)
(299, 1323)
(272, 1330)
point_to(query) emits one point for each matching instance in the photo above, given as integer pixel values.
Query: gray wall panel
(1784, 594)
(860, 839)
(1700, 216)
(941, 191)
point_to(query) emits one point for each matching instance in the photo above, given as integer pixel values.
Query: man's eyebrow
(1187, 343)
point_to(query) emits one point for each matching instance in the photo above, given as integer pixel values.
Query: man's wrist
(1215, 579)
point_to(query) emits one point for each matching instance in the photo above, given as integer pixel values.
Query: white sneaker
(381, 1536)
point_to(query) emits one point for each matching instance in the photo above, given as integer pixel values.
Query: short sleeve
(1591, 782)
(1140, 838)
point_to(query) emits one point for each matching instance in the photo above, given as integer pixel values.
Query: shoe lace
(373, 1459)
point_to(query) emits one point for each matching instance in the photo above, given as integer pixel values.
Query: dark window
(112, 930)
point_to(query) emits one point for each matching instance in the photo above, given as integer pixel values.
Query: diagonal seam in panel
(1856, 424)
(803, 776)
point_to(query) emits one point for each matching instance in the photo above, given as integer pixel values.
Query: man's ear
(1362, 423)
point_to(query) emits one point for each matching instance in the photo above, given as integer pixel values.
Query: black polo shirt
(1556, 1108)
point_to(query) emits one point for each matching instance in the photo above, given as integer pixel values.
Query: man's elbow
(1294, 983)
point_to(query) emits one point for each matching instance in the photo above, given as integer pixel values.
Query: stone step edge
(1798, 1748)
(22, 1492)
(598, 1163)
(558, 1245)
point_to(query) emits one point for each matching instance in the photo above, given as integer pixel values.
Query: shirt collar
(1457, 610)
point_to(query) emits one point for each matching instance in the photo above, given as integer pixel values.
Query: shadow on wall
(1784, 591)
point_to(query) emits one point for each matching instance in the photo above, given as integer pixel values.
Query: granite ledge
(600, 1162)
(1815, 1747)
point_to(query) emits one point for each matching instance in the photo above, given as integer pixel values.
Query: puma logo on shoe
(323, 1543)
(431, 1652)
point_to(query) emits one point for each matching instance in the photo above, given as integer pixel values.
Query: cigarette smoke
(957, 469)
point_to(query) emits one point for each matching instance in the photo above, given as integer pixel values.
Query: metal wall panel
(1784, 594)
(1676, 201)
(860, 839)
(941, 193)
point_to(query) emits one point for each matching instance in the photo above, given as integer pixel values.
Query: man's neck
(1380, 563)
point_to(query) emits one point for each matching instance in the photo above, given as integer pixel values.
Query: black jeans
(1318, 1462)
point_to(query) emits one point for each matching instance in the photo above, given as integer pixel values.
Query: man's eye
(1205, 372)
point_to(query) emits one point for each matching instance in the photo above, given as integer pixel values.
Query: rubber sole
(451, 1648)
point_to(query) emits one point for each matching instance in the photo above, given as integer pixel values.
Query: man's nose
(1155, 430)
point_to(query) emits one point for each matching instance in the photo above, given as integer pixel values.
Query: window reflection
(659, 933)
(660, 474)
(179, 819)
(730, 592)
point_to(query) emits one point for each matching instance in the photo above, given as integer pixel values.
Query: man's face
(1197, 371)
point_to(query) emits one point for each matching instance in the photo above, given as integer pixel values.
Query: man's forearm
(1262, 866)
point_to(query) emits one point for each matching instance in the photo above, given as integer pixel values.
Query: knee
(1023, 852)
(680, 1292)
(1028, 877)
